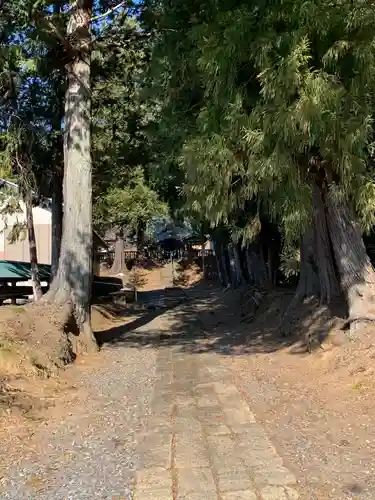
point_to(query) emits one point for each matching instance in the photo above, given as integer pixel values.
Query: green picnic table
(13, 272)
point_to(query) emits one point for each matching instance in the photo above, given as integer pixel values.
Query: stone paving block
(153, 495)
(222, 462)
(185, 399)
(207, 401)
(217, 430)
(255, 437)
(221, 445)
(157, 423)
(273, 476)
(156, 449)
(187, 410)
(186, 424)
(279, 493)
(234, 402)
(195, 480)
(257, 450)
(211, 415)
(291, 493)
(225, 388)
(236, 479)
(260, 458)
(183, 386)
(156, 429)
(186, 439)
(191, 458)
(208, 495)
(162, 404)
(273, 493)
(157, 438)
(216, 374)
(164, 367)
(160, 457)
(166, 394)
(239, 495)
(202, 386)
(238, 417)
(163, 384)
(204, 390)
(153, 478)
(166, 390)
(190, 453)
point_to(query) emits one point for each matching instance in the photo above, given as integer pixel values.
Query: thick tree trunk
(237, 261)
(118, 265)
(232, 266)
(270, 270)
(57, 217)
(222, 274)
(72, 283)
(329, 284)
(224, 266)
(249, 265)
(357, 276)
(256, 266)
(219, 268)
(35, 280)
(308, 284)
(140, 239)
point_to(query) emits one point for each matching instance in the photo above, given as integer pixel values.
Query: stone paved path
(203, 441)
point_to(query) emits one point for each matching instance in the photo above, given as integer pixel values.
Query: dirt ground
(317, 406)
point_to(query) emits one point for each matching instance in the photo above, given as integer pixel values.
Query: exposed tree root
(75, 323)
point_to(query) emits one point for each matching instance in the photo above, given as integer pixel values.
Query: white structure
(19, 251)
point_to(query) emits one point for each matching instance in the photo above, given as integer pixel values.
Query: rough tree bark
(270, 269)
(256, 267)
(237, 261)
(357, 275)
(72, 283)
(223, 277)
(329, 285)
(57, 217)
(35, 280)
(308, 283)
(119, 259)
(141, 239)
(224, 266)
(249, 265)
(232, 266)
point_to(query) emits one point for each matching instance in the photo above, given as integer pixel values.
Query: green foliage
(290, 261)
(259, 93)
(132, 206)
(10, 208)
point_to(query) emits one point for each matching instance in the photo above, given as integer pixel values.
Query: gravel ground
(92, 453)
(329, 444)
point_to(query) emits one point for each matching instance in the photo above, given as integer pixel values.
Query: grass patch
(357, 387)
(17, 309)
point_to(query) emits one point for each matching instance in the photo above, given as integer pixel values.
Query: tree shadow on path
(208, 320)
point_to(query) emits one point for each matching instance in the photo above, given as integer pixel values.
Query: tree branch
(52, 28)
(101, 16)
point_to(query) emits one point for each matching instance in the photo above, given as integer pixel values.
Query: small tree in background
(130, 207)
